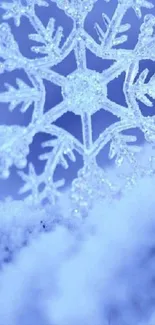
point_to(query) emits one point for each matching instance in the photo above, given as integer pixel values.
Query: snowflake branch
(129, 94)
(109, 133)
(114, 26)
(86, 131)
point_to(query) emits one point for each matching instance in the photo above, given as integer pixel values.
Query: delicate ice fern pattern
(84, 92)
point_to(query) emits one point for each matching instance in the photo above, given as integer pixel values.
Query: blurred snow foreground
(97, 271)
(86, 256)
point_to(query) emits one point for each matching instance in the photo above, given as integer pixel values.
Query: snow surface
(101, 274)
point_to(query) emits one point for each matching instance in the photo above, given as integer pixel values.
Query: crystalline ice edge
(84, 92)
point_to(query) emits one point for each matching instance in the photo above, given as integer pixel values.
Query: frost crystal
(84, 92)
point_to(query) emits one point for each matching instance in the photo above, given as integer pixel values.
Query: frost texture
(84, 93)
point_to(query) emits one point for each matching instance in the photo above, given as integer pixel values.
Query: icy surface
(103, 273)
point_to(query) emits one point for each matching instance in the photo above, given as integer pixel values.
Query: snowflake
(84, 93)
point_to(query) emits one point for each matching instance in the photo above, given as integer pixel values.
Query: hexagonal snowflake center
(84, 91)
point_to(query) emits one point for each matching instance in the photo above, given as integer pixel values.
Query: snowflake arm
(16, 9)
(24, 94)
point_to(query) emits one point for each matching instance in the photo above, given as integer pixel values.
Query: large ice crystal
(84, 92)
(101, 271)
